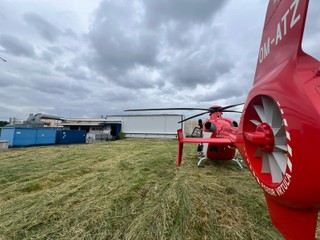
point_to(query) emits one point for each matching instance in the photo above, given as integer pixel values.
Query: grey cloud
(117, 51)
(16, 46)
(46, 29)
(55, 49)
(191, 74)
(120, 95)
(47, 56)
(73, 71)
(180, 19)
(123, 39)
(111, 100)
(225, 92)
(230, 87)
(70, 33)
(8, 79)
(58, 86)
(140, 78)
(181, 10)
(200, 65)
(51, 53)
(121, 43)
(171, 52)
(5, 111)
(311, 36)
(120, 40)
(134, 83)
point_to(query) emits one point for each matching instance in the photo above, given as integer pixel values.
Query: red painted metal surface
(288, 76)
(279, 131)
(220, 134)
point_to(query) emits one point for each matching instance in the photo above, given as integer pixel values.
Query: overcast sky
(91, 58)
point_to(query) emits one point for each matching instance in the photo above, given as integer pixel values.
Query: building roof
(88, 122)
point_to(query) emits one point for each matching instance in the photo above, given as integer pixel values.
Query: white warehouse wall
(149, 126)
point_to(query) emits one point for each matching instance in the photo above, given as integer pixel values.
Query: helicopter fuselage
(216, 127)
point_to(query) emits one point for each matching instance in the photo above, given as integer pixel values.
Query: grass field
(126, 189)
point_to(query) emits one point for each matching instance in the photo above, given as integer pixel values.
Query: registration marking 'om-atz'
(283, 26)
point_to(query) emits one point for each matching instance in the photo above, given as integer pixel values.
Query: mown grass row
(127, 189)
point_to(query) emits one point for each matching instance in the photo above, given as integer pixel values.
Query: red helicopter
(279, 129)
(212, 144)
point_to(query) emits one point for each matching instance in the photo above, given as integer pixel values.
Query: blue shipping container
(20, 137)
(24, 137)
(71, 136)
(45, 136)
(7, 134)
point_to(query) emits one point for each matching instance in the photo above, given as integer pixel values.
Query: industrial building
(41, 129)
(149, 126)
(97, 129)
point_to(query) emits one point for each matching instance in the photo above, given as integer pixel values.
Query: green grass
(127, 189)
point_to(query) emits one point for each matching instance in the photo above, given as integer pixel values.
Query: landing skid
(236, 159)
(239, 161)
(200, 159)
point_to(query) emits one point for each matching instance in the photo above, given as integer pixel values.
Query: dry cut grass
(127, 189)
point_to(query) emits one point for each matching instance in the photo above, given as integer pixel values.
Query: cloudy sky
(91, 58)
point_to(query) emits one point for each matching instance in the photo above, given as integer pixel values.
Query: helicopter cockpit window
(311, 38)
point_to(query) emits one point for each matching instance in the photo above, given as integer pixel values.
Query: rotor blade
(260, 111)
(255, 122)
(3, 59)
(268, 107)
(197, 115)
(265, 163)
(234, 111)
(281, 160)
(229, 106)
(280, 141)
(276, 121)
(220, 109)
(280, 133)
(164, 109)
(276, 172)
(275, 130)
(281, 147)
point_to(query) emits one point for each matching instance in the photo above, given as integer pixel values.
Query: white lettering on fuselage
(282, 29)
(278, 191)
(284, 185)
(267, 189)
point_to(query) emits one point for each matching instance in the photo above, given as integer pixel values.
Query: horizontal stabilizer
(183, 140)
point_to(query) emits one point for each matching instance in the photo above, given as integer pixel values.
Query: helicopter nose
(210, 127)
